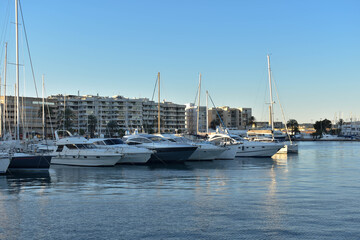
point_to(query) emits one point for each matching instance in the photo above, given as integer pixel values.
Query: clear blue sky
(117, 48)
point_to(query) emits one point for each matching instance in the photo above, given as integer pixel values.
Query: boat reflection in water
(19, 181)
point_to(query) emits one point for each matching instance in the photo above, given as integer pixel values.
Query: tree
(112, 127)
(322, 127)
(92, 121)
(121, 133)
(293, 126)
(339, 124)
(214, 123)
(66, 119)
(252, 121)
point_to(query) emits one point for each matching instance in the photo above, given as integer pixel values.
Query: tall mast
(15, 106)
(159, 130)
(271, 98)
(64, 112)
(198, 108)
(43, 107)
(4, 110)
(1, 115)
(207, 113)
(17, 72)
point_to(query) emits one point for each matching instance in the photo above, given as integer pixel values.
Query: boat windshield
(85, 146)
(116, 141)
(157, 139)
(182, 140)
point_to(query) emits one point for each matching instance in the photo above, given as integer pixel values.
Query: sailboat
(289, 147)
(24, 160)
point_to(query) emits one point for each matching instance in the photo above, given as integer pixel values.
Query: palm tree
(112, 127)
(340, 123)
(66, 118)
(92, 121)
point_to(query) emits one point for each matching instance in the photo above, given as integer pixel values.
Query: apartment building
(233, 118)
(128, 113)
(191, 118)
(30, 113)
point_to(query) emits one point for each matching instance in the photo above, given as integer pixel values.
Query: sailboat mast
(159, 130)
(1, 115)
(271, 98)
(17, 72)
(207, 113)
(43, 107)
(198, 108)
(5, 69)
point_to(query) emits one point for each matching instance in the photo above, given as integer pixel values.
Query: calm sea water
(312, 195)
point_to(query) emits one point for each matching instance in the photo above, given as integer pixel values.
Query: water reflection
(16, 182)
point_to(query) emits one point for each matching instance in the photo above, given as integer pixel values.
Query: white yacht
(132, 154)
(4, 162)
(205, 151)
(164, 150)
(247, 148)
(78, 151)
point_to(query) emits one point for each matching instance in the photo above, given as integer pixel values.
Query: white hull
(228, 154)
(89, 161)
(202, 154)
(136, 158)
(255, 149)
(4, 163)
(289, 148)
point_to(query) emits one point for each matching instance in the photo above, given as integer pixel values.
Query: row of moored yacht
(147, 148)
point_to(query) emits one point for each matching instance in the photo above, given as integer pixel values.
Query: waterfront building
(233, 118)
(191, 118)
(129, 113)
(31, 122)
(351, 129)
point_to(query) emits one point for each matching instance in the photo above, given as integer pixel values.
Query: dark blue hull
(172, 155)
(30, 162)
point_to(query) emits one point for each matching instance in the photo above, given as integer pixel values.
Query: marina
(312, 195)
(105, 150)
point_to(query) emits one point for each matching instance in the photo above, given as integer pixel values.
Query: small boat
(164, 150)
(78, 151)
(132, 154)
